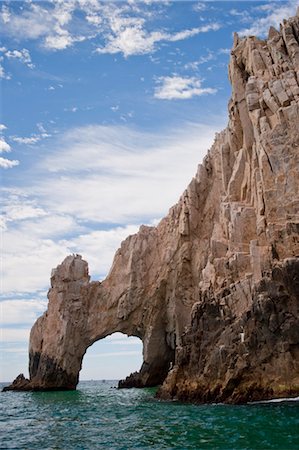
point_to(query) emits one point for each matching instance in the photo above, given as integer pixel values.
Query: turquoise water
(99, 416)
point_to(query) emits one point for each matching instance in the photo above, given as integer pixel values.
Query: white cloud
(200, 6)
(243, 15)
(4, 146)
(21, 311)
(122, 27)
(202, 60)
(20, 209)
(72, 109)
(23, 254)
(42, 21)
(180, 88)
(99, 247)
(94, 366)
(107, 159)
(122, 339)
(58, 42)
(29, 140)
(32, 23)
(14, 334)
(224, 51)
(31, 235)
(131, 38)
(101, 176)
(113, 354)
(126, 341)
(25, 140)
(3, 74)
(8, 163)
(5, 14)
(17, 350)
(275, 13)
(22, 55)
(193, 32)
(40, 127)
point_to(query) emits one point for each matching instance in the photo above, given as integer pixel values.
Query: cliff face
(213, 290)
(243, 342)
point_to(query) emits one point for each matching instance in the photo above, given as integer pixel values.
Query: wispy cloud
(39, 21)
(21, 55)
(200, 6)
(72, 109)
(113, 354)
(109, 158)
(21, 311)
(122, 339)
(34, 138)
(180, 88)
(25, 140)
(122, 27)
(31, 140)
(201, 60)
(208, 57)
(8, 163)
(4, 146)
(16, 207)
(131, 38)
(103, 242)
(119, 183)
(275, 13)
(3, 74)
(16, 334)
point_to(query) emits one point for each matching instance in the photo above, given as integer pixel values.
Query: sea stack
(213, 290)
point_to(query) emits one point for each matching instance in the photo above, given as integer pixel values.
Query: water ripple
(98, 416)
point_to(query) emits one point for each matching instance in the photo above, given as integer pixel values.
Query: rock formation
(213, 290)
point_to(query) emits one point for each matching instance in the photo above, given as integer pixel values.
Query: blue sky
(106, 110)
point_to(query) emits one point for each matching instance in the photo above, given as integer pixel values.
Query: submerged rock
(213, 290)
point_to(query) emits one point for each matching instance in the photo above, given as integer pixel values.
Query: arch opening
(112, 358)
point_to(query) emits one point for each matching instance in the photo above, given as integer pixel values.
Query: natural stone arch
(80, 313)
(217, 279)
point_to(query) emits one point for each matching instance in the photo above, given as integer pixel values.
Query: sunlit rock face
(213, 290)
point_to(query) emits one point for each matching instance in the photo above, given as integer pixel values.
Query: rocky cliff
(213, 290)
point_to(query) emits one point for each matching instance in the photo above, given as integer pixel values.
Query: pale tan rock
(213, 290)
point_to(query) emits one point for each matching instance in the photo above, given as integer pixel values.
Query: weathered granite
(213, 290)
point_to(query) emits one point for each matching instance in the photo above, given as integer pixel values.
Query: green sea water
(99, 416)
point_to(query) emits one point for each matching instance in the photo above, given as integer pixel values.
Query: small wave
(277, 400)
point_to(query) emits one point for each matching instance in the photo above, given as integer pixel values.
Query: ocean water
(99, 416)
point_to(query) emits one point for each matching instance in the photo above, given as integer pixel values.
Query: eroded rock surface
(213, 290)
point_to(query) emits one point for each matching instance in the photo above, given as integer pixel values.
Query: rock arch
(80, 313)
(216, 282)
